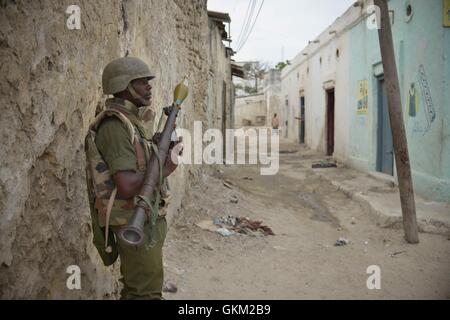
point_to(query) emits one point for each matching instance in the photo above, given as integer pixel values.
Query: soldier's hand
(177, 146)
(167, 110)
(156, 138)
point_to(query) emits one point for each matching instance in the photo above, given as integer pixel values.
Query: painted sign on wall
(446, 18)
(363, 97)
(430, 112)
(413, 101)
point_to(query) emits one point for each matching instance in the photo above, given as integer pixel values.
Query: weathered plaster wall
(322, 65)
(421, 43)
(219, 80)
(249, 108)
(49, 93)
(272, 94)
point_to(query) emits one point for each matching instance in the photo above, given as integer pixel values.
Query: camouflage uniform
(141, 267)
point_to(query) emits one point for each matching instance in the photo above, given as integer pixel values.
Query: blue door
(385, 148)
(302, 119)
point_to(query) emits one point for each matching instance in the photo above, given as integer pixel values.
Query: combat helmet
(120, 72)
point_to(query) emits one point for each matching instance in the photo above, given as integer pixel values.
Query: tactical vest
(100, 182)
(105, 208)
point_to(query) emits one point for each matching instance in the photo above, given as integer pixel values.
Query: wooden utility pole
(398, 128)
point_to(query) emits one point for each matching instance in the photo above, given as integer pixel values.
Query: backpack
(101, 188)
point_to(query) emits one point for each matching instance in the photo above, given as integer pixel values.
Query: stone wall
(49, 93)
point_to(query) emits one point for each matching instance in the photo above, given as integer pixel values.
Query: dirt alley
(307, 214)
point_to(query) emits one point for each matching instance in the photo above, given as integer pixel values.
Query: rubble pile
(231, 225)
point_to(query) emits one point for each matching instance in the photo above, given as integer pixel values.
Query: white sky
(281, 23)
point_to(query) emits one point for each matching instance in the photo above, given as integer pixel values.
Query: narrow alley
(349, 200)
(308, 215)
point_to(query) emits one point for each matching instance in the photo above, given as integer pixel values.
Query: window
(409, 12)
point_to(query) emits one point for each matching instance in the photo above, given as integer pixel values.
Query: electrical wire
(244, 23)
(249, 23)
(253, 25)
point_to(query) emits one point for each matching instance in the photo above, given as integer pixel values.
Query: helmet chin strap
(137, 96)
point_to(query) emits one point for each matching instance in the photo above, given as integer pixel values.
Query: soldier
(123, 146)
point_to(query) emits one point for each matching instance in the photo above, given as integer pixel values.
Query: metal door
(330, 122)
(385, 150)
(302, 120)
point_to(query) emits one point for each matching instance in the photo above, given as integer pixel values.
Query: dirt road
(307, 214)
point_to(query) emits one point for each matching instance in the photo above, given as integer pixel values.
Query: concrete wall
(322, 65)
(248, 108)
(49, 93)
(219, 81)
(245, 82)
(272, 94)
(419, 41)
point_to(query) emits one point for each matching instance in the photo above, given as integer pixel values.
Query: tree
(281, 65)
(250, 90)
(255, 70)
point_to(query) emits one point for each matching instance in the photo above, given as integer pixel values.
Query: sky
(283, 27)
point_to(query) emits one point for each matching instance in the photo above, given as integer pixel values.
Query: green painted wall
(422, 47)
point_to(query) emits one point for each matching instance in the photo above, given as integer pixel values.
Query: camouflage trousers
(142, 267)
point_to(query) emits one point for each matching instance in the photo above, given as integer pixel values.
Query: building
(247, 84)
(220, 96)
(272, 94)
(335, 98)
(250, 110)
(56, 82)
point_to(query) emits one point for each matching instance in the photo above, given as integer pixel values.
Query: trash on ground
(236, 225)
(227, 185)
(324, 164)
(225, 232)
(221, 221)
(207, 225)
(234, 199)
(341, 242)
(248, 178)
(243, 225)
(170, 287)
(393, 255)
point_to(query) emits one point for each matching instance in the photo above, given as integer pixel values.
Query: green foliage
(281, 65)
(250, 90)
(255, 71)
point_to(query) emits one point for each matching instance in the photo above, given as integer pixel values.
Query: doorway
(224, 117)
(302, 120)
(330, 122)
(385, 147)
